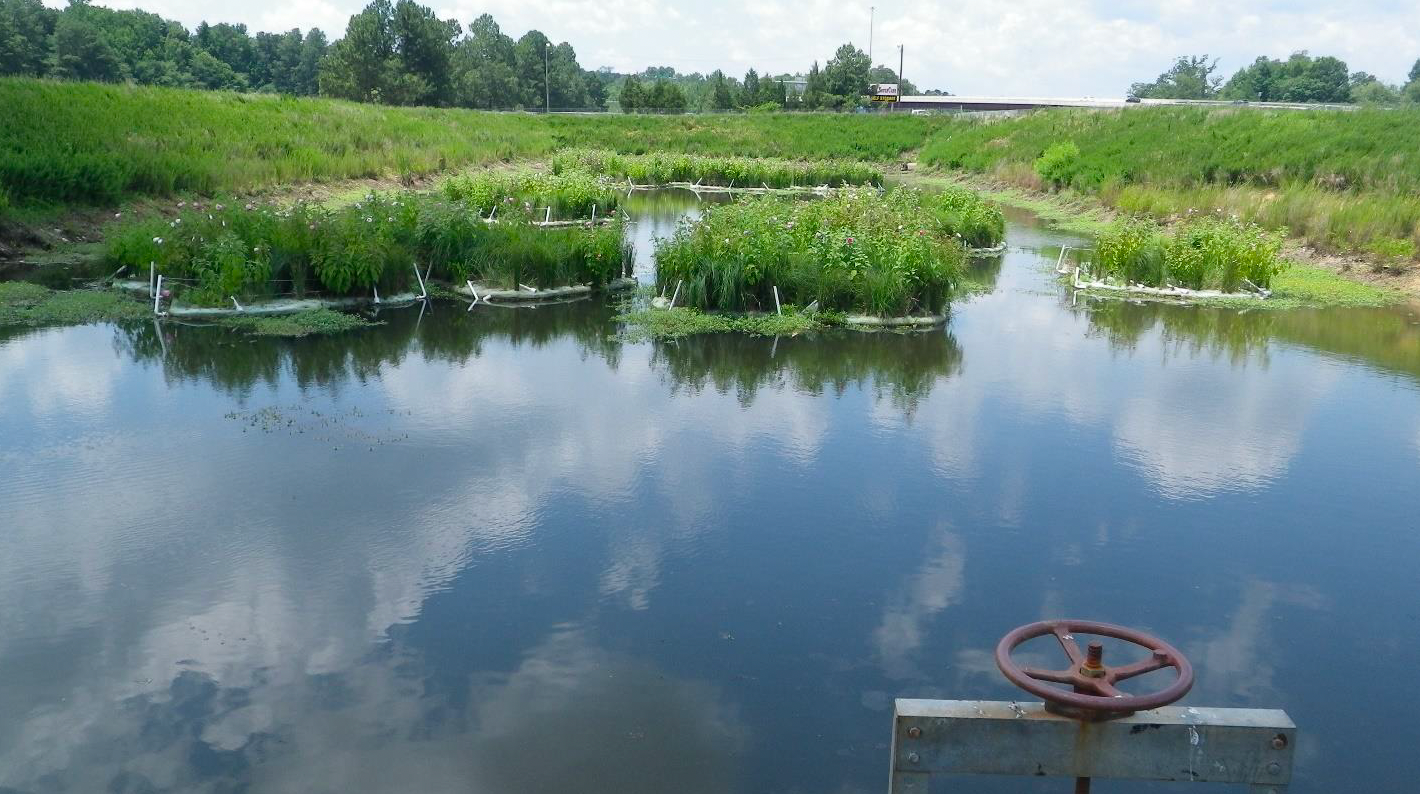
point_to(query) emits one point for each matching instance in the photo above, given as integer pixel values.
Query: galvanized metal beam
(935, 738)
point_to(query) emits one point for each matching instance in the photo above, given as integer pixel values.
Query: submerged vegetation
(211, 253)
(1202, 253)
(1340, 180)
(855, 251)
(661, 169)
(315, 322)
(22, 303)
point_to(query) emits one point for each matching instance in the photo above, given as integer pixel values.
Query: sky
(1024, 48)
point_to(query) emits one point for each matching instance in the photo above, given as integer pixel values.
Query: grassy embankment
(1341, 182)
(67, 144)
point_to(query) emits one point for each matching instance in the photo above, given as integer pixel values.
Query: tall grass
(664, 168)
(63, 142)
(568, 192)
(1341, 180)
(1201, 253)
(966, 214)
(855, 251)
(216, 251)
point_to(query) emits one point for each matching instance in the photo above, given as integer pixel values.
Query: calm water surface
(498, 551)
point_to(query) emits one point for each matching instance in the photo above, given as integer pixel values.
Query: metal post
(899, 72)
(871, 11)
(546, 81)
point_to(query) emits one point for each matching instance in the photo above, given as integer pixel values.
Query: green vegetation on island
(858, 251)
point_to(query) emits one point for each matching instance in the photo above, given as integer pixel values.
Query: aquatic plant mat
(23, 303)
(862, 252)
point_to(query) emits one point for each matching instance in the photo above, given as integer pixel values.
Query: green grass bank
(1343, 181)
(88, 143)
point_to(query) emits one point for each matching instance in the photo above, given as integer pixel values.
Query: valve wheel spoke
(1067, 642)
(1139, 668)
(1053, 676)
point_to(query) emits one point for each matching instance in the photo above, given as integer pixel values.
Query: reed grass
(1202, 253)
(212, 252)
(665, 168)
(855, 251)
(568, 192)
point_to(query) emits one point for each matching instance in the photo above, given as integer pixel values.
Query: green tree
(25, 30)
(1415, 71)
(483, 66)
(814, 89)
(666, 97)
(1373, 92)
(361, 65)
(721, 97)
(229, 44)
(846, 76)
(529, 65)
(632, 96)
(883, 74)
(81, 51)
(1190, 77)
(749, 93)
(424, 45)
(313, 50)
(1300, 78)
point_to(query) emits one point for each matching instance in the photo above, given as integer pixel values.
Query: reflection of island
(1387, 339)
(445, 332)
(904, 366)
(569, 717)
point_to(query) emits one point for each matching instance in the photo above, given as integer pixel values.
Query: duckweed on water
(307, 323)
(22, 303)
(679, 321)
(856, 251)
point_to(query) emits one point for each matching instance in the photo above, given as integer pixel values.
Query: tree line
(1299, 78)
(395, 52)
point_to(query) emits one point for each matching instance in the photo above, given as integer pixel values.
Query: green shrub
(570, 192)
(1059, 164)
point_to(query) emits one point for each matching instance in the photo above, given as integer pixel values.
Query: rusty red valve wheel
(1093, 694)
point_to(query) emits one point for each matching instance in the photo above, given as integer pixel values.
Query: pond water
(501, 551)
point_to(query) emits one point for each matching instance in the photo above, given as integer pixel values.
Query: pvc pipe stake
(234, 303)
(158, 295)
(377, 292)
(422, 289)
(548, 217)
(492, 212)
(152, 274)
(594, 215)
(777, 308)
(676, 294)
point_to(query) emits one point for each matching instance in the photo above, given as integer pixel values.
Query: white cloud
(1031, 47)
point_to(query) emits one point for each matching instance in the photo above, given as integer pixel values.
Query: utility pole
(899, 72)
(871, 11)
(546, 84)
